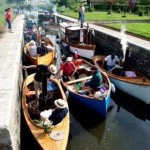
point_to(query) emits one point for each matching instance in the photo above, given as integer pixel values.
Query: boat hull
(141, 92)
(100, 107)
(85, 51)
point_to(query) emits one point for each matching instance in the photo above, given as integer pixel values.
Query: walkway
(11, 85)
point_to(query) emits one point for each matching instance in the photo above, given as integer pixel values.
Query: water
(126, 127)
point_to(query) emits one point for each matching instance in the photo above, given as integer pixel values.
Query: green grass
(97, 16)
(140, 29)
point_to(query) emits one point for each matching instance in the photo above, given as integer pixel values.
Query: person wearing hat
(57, 114)
(42, 50)
(67, 69)
(40, 69)
(32, 48)
(96, 80)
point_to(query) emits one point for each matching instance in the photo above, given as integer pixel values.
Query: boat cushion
(130, 74)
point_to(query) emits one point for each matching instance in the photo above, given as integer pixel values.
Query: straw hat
(53, 69)
(60, 103)
(31, 43)
(69, 59)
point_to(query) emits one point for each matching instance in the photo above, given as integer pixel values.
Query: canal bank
(11, 85)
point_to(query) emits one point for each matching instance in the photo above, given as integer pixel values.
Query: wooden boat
(87, 96)
(138, 87)
(42, 138)
(46, 59)
(73, 37)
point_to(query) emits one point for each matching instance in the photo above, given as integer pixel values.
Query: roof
(68, 24)
(75, 28)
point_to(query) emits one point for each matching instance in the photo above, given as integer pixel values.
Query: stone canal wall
(108, 41)
(11, 85)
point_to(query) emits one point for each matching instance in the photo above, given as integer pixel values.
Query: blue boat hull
(98, 106)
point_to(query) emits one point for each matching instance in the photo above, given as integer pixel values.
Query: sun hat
(53, 69)
(31, 43)
(42, 42)
(60, 103)
(69, 59)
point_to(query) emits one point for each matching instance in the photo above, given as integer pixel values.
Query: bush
(140, 13)
(91, 9)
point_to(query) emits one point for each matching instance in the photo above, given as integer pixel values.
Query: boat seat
(30, 93)
(85, 90)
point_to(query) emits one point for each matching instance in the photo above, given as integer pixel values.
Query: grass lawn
(141, 29)
(97, 16)
(2, 23)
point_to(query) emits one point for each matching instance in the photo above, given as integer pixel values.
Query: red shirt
(8, 16)
(68, 68)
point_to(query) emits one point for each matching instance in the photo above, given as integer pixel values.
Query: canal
(126, 127)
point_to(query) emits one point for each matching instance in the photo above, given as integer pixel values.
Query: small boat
(45, 59)
(137, 86)
(45, 140)
(75, 38)
(97, 102)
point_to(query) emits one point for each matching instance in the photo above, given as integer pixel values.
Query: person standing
(40, 69)
(82, 10)
(9, 19)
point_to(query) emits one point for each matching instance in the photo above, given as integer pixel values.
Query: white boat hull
(86, 53)
(140, 92)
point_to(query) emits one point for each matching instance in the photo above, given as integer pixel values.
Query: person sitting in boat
(56, 115)
(111, 61)
(68, 69)
(42, 50)
(32, 49)
(40, 69)
(96, 80)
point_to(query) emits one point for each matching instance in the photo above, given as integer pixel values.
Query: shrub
(140, 13)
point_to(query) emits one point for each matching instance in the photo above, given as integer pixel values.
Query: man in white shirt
(111, 61)
(32, 49)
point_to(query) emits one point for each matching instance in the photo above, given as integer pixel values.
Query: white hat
(32, 43)
(69, 59)
(43, 42)
(53, 69)
(60, 103)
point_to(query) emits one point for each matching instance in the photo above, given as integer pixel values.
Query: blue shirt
(58, 115)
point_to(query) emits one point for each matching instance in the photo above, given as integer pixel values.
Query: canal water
(127, 126)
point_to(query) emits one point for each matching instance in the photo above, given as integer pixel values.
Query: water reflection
(138, 108)
(85, 126)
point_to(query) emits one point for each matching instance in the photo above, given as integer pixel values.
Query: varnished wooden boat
(46, 59)
(138, 87)
(42, 138)
(73, 37)
(87, 96)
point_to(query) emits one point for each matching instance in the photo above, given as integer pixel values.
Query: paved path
(130, 39)
(11, 85)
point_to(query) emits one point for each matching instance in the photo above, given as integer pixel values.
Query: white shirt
(32, 51)
(111, 62)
